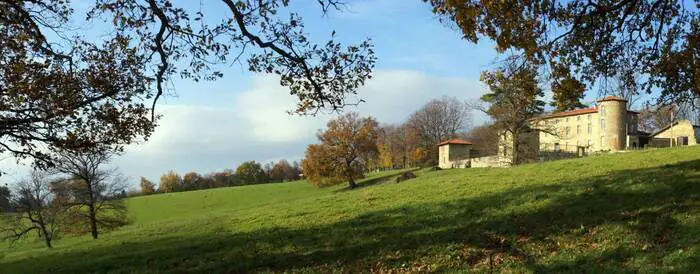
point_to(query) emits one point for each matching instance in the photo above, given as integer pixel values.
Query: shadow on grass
(627, 221)
(377, 180)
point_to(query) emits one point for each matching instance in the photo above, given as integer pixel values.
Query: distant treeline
(248, 173)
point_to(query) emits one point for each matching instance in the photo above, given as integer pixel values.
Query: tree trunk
(352, 183)
(44, 233)
(516, 149)
(93, 221)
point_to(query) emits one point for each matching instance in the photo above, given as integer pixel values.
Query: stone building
(679, 133)
(454, 153)
(609, 126)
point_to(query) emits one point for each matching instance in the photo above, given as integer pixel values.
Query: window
(556, 147)
(567, 120)
(589, 117)
(578, 118)
(590, 143)
(578, 129)
(602, 111)
(590, 128)
(602, 124)
(568, 131)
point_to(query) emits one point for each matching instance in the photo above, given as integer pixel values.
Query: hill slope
(637, 211)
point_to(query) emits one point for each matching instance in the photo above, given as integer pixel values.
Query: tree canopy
(61, 89)
(345, 148)
(658, 38)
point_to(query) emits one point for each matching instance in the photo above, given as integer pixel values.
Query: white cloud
(257, 127)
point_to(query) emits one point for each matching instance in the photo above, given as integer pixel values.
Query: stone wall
(489, 161)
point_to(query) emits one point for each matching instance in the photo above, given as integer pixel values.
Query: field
(624, 212)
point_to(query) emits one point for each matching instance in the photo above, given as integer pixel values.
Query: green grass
(625, 212)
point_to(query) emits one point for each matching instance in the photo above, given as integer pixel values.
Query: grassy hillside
(625, 212)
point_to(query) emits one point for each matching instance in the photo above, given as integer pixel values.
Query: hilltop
(633, 211)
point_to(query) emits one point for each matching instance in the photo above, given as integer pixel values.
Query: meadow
(624, 212)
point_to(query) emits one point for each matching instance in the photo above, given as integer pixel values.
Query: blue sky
(210, 126)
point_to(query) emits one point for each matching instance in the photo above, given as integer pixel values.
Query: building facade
(609, 126)
(454, 153)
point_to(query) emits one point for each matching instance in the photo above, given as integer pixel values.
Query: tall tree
(439, 120)
(591, 36)
(147, 187)
(35, 210)
(251, 172)
(514, 98)
(344, 148)
(170, 182)
(61, 89)
(567, 90)
(93, 190)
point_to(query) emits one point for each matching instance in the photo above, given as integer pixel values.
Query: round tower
(612, 112)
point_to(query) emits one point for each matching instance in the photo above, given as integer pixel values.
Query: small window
(602, 111)
(590, 128)
(602, 124)
(589, 117)
(567, 119)
(556, 147)
(568, 131)
(578, 129)
(578, 118)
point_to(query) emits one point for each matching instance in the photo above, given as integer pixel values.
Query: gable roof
(572, 112)
(455, 142)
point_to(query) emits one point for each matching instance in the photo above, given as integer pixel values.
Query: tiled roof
(455, 142)
(611, 98)
(573, 112)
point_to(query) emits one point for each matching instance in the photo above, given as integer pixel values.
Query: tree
(437, 121)
(282, 171)
(251, 172)
(483, 140)
(92, 192)
(191, 181)
(591, 36)
(63, 90)
(514, 98)
(170, 182)
(5, 196)
(35, 210)
(567, 90)
(345, 146)
(147, 187)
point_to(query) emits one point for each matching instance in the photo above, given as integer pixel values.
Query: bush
(405, 176)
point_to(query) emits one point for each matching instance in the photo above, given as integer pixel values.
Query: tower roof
(612, 98)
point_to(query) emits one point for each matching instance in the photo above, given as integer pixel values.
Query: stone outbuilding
(454, 153)
(679, 133)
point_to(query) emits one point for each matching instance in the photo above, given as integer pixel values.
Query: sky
(211, 126)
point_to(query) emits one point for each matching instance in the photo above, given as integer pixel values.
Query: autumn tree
(93, 190)
(64, 90)
(514, 98)
(251, 172)
(170, 182)
(191, 181)
(439, 120)
(147, 187)
(592, 37)
(344, 148)
(282, 171)
(35, 210)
